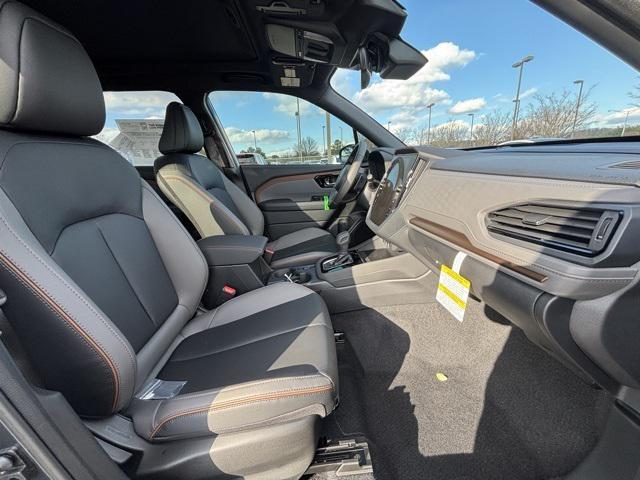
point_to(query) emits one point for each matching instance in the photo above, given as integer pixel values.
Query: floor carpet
(506, 410)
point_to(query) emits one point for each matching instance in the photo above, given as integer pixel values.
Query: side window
(134, 124)
(278, 129)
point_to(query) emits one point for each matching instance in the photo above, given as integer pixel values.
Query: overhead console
(551, 242)
(358, 35)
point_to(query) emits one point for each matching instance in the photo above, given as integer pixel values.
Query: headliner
(205, 44)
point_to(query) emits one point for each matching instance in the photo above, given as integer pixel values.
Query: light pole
(340, 135)
(575, 118)
(255, 142)
(624, 127)
(430, 106)
(329, 144)
(324, 139)
(472, 115)
(299, 130)
(389, 126)
(516, 109)
(626, 119)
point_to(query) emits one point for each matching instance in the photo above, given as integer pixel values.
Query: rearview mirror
(365, 67)
(402, 60)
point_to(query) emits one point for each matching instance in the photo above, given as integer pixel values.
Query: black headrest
(181, 132)
(47, 81)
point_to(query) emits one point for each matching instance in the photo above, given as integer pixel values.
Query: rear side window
(134, 124)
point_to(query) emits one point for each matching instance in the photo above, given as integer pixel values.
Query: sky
(470, 44)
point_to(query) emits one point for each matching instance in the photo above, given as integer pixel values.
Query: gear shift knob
(343, 240)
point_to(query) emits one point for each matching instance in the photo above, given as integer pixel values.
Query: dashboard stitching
(546, 182)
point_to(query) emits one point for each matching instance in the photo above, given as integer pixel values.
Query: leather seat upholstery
(261, 341)
(104, 283)
(214, 204)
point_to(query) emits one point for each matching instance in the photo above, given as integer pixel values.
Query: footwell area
(506, 411)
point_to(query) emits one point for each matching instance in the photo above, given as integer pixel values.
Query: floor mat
(502, 408)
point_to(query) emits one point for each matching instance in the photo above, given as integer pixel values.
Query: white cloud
(138, 104)
(468, 106)
(528, 92)
(391, 94)
(416, 92)
(238, 135)
(404, 119)
(288, 105)
(509, 99)
(617, 118)
(343, 81)
(442, 57)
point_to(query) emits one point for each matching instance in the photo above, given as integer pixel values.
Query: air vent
(583, 231)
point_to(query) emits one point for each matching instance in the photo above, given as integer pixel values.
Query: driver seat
(214, 204)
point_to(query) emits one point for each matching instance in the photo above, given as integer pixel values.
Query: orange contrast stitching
(58, 310)
(237, 403)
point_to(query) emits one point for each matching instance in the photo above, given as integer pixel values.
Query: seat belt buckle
(227, 293)
(268, 255)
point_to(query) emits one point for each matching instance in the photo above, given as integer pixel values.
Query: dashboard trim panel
(460, 239)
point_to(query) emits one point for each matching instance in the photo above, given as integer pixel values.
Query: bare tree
(408, 135)
(450, 134)
(307, 148)
(494, 128)
(552, 115)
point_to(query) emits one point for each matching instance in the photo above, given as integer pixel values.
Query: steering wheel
(348, 177)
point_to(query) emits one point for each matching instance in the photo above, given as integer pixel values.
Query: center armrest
(223, 250)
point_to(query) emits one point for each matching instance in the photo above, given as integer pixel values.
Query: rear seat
(104, 284)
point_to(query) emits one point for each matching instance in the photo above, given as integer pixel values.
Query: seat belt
(15, 348)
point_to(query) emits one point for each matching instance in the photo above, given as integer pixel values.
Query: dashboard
(551, 236)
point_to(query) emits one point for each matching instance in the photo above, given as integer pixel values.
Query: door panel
(291, 196)
(287, 182)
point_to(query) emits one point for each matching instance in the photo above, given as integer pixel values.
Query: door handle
(326, 181)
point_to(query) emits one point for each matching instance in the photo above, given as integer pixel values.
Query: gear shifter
(343, 240)
(343, 258)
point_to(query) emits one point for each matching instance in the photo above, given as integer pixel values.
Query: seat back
(100, 276)
(214, 204)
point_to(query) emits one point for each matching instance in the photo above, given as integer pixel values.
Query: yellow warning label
(453, 292)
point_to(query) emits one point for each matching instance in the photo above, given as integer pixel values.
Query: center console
(236, 266)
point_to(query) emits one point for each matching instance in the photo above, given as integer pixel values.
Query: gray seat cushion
(267, 356)
(303, 247)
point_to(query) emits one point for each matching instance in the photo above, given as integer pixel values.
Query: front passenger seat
(103, 285)
(214, 204)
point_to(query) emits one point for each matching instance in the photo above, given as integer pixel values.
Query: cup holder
(300, 275)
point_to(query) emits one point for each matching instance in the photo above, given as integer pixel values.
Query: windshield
(499, 71)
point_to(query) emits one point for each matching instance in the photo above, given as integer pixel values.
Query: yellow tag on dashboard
(453, 292)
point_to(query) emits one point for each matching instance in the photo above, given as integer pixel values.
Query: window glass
(470, 94)
(276, 129)
(134, 124)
